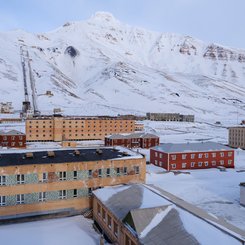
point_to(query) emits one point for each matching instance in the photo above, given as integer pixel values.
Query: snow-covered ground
(73, 230)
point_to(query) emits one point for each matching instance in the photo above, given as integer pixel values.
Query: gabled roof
(11, 132)
(191, 147)
(131, 136)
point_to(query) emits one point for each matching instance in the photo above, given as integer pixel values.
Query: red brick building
(135, 140)
(13, 139)
(192, 156)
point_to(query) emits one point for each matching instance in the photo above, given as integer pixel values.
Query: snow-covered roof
(191, 147)
(131, 136)
(155, 219)
(11, 132)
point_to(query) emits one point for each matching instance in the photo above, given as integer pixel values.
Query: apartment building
(59, 128)
(135, 140)
(142, 215)
(169, 117)
(12, 139)
(237, 137)
(192, 156)
(61, 182)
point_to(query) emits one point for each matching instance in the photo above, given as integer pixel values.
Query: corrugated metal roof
(191, 147)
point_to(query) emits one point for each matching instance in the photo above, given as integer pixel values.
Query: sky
(218, 21)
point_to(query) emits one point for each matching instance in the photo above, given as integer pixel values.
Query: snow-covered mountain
(102, 66)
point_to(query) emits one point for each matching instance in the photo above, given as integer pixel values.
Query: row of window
(195, 164)
(42, 196)
(13, 137)
(199, 155)
(20, 178)
(13, 144)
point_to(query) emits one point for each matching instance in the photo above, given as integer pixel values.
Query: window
(206, 155)
(213, 154)
(74, 174)
(221, 162)
(115, 229)
(118, 171)
(98, 209)
(192, 156)
(20, 199)
(42, 197)
(89, 191)
(229, 153)
(62, 194)
(222, 154)
(44, 177)
(155, 154)
(213, 163)
(229, 162)
(173, 166)
(183, 165)
(75, 193)
(125, 171)
(2, 201)
(192, 164)
(109, 221)
(100, 173)
(108, 172)
(136, 169)
(200, 164)
(160, 164)
(156, 162)
(206, 164)
(200, 155)
(183, 156)
(2, 180)
(103, 214)
(173, 157)
(90, 174)
(62, 176)
(20, 179)
(160, 155)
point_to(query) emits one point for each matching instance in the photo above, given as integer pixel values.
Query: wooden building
(12, 139)
(192, 156)
(135, 140)
(59, 128)
(142, 215)
(61, 182)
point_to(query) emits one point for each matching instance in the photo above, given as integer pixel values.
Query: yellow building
(58, 128)
(60, 182)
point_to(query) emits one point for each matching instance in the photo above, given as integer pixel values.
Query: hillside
(102, 66)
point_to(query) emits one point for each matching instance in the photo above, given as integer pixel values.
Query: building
(135, 140)
(12, 139)
(59, 128)
(10, 120)
(142, 215)
(169, 117)
(6, 108)
(139, 127)
(242, 193)
(60, 182)
(192, 156)
(237, 137)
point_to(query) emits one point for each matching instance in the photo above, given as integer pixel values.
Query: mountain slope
(101, 66)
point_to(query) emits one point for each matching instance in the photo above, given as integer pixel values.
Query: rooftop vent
(51, 154)
(29, 155)
(124, 153)
(99, 151)
(76, 153)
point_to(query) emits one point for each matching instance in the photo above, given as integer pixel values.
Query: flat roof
(191, 147)
(11, 132)
(49, 117)
(66, 156)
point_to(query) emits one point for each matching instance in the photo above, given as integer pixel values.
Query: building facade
(136, 140)
(6, 108)
(192, 156)
(12, 139)
(237, 137)
(169, 117)
(61, 181)
(242, 193)
(58, 128)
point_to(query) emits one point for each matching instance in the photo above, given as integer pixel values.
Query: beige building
(58, 128)
(61, 182)
(237, 137)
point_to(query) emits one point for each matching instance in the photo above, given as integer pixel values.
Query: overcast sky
(220, 21)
